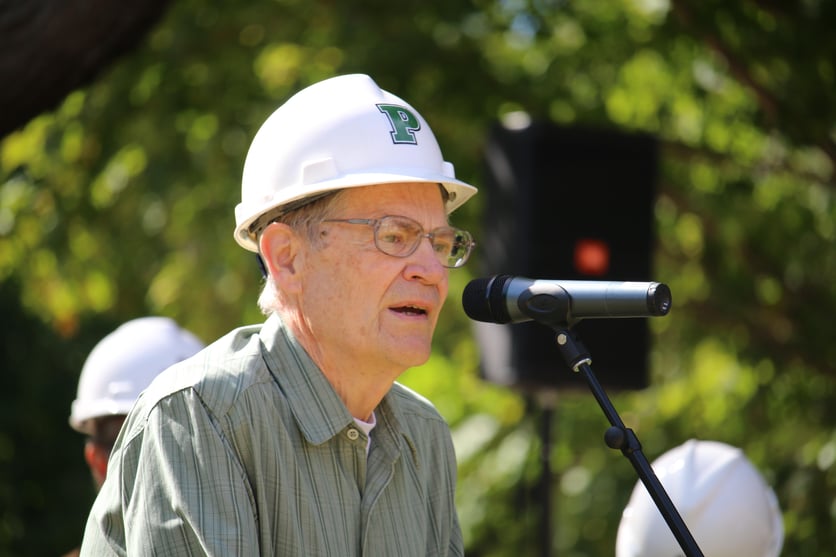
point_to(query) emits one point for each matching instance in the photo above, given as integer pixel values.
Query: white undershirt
(367, 428)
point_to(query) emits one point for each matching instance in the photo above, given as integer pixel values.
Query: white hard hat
(339, 133)
(124, 363)
(723, 499)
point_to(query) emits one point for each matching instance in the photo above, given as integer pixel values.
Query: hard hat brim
(84, 411)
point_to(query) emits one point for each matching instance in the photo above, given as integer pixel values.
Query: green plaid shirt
(245, 449)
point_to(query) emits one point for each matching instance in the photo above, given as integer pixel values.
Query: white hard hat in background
(124, 363)
(339, 133)
(723, 499)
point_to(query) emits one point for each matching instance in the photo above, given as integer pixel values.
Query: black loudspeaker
(567, 203)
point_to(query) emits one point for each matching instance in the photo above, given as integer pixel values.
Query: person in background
(292, 437)
(116, 371)
(722, 498)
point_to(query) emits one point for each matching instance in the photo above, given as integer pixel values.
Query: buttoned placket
(352, 452)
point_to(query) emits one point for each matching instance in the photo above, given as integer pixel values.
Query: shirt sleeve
(456, 548)
(175, 487)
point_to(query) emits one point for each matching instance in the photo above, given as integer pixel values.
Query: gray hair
(305, 220)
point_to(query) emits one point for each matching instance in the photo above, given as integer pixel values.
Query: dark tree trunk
(48, 48)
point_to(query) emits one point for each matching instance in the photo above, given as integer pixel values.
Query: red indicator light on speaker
(592, 257)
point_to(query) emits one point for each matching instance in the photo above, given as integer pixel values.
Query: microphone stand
(620, 437)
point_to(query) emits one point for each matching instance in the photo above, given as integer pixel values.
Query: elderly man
(292, 437)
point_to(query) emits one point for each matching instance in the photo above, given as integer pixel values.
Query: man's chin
(412, 356)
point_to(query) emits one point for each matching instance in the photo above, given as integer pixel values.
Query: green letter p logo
(404, 123)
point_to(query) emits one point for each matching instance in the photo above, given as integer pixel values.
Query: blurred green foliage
(119, 204)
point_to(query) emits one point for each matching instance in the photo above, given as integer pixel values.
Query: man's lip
(414, 308)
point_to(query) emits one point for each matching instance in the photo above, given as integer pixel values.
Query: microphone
(508, 299)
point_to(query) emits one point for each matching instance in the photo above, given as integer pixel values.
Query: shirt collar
(318, 410)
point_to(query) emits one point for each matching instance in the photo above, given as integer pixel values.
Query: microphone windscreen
(483, 299)
(475, 300)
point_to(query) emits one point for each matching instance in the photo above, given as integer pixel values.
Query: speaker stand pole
(546, 400)
(620, 437)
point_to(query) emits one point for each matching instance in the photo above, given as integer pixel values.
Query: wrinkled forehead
(407, 192)
(396, 198)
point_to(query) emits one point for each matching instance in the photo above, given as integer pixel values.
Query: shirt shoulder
(218, 375)
(413, 405)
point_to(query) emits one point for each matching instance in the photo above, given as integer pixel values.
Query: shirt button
(353, 434)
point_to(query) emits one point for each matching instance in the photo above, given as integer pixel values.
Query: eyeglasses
(401, 236)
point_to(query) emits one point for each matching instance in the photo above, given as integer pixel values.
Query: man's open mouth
(409, 310)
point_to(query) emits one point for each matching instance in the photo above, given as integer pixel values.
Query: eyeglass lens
(400, 236)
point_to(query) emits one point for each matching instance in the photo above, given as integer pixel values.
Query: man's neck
(360, 391)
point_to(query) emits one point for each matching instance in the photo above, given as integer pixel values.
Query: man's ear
(281, 251)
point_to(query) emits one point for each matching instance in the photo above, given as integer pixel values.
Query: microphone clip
(572, 349)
